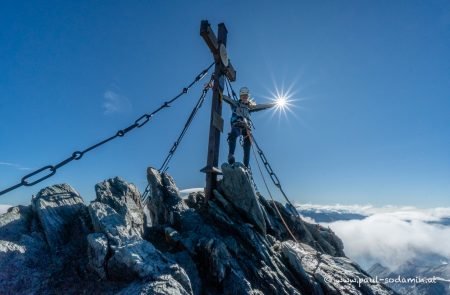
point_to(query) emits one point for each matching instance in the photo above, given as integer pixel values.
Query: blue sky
(371, 123)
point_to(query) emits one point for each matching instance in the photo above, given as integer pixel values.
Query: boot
(230, 159)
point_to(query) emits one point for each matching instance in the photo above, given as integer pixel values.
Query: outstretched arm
(229, 100)
(262, 106)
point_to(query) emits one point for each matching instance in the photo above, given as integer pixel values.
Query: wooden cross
(222, 67)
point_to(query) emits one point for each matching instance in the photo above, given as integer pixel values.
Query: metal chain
(250, 172)
(77, 155)
(228, 84)
(172, 151)
(272, 175)
(274, 205)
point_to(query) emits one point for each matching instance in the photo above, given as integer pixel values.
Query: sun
(287, 101)
(283, 100)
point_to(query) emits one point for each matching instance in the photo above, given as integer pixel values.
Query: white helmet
(244, 90)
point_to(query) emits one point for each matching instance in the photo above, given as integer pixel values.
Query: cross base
(211, 169)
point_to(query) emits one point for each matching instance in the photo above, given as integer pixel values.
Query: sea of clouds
(390, 235)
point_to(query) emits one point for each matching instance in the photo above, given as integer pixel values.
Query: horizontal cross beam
(214, 45)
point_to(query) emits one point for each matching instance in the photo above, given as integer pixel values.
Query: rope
(273, 176)
(270, 194)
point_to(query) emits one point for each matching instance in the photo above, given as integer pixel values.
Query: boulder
(117, 217)
(124, 198)
(188, 248)
(58, 207)
(97, 251)
(164, 202)
(15, 222)
(238, 189)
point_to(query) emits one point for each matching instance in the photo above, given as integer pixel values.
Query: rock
(107, 221)
(323, 273)
(124, 198)
(97, 251)
(219, 246)
(164, 285)
(165, 203)
(238, 190)
(142, 260)
(216, 257)
(57, 207)
(25, 265)
(118, 217)
(15, 222)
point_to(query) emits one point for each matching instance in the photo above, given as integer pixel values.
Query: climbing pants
(232, 137)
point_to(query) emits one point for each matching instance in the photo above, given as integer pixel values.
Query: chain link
(272, 175)
(250, 172)
(77, 155)
(172, 151)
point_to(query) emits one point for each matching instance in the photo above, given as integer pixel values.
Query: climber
(241, 123)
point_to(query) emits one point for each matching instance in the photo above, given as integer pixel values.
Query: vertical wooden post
(222, 67)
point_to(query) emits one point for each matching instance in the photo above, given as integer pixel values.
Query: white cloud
(4, 208)
(390, 235)
(186, 192)
(14, 165)
(115, 103)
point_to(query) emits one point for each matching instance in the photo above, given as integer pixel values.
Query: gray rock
(107, 221)
(164, 285)
(97, 251)
(238, 189)
(142, 260)
(124, 198)
(189, 247)
(165, 204)
(57, 207)
(25, 265)
(323, 273)
(217, 258)
(15, 222)
(116, 214)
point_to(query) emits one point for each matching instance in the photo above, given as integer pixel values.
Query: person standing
(241, 123)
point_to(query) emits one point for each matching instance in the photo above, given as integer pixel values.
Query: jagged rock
(15, 222)
(165, 203)
(162, 286)
(322, 273)
(97, 251)
(124, 198)
(106, 220)
(57, 207)
(25, 260)
(218, 258)
(238, 189)
(189, 247)
(118, 214)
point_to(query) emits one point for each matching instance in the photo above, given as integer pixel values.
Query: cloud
(115, 103)
(391, 235)
(14, 165)
(4, 208)
(185, 192)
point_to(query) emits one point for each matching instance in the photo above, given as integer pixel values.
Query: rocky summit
(234, 243)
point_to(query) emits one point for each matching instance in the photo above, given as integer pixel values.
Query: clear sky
(371, 79)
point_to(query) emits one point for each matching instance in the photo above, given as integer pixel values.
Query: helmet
(244, 90)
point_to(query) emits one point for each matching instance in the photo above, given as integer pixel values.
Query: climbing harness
(248, 128)
(77, 155)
